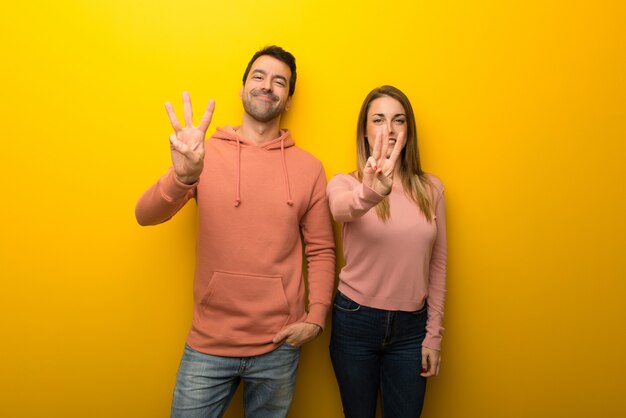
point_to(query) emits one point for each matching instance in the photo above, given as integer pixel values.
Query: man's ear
(288, 104)
(241, 93)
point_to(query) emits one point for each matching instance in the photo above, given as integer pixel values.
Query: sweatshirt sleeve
(349, 199)
(437, 276)
(319, 242)
(163, 200)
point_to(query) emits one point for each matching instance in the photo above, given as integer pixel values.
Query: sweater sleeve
(319, 242)
(349, 199)
(163, 200)
(437, 276)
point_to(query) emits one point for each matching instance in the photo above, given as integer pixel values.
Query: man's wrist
(186, 180)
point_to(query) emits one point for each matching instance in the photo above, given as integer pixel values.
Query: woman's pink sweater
(395, 265)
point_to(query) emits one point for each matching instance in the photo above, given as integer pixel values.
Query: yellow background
(521, 109)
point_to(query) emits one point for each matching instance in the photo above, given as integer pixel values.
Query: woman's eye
(400, 121)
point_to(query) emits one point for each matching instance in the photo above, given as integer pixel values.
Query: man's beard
(263, 112)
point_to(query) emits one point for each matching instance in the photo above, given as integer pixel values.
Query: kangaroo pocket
(249, 308)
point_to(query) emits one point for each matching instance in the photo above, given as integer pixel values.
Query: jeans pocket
(422, 310)
(289, 346)
(344, 303)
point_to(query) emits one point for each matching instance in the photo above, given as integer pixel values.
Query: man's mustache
(267, 93)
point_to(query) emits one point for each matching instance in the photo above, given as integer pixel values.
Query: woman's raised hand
(379, 170)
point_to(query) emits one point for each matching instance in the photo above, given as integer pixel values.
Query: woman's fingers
(430, 362)
(377, 146)
(371, 164)
(397, 149)
(385, 145)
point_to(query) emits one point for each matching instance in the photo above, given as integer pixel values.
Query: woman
(388, 311)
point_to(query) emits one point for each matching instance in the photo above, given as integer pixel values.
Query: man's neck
(259, 132)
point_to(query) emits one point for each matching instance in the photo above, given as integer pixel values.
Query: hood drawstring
(238, 172)
(232, 136)
(285, 172)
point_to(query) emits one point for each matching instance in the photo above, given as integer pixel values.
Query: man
(258, 197)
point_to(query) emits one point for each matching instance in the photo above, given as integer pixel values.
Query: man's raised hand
(187, 143)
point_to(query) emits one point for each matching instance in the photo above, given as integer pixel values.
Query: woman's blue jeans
(376, 351)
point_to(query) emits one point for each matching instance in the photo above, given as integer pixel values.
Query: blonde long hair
(415, 183)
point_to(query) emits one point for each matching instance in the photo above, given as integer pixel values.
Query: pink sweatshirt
(398, 265)
(253, 202)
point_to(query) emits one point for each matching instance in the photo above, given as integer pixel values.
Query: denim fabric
(205, 384)
(377, 351)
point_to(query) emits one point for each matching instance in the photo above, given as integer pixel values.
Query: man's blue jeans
(205, 384)
(374, 350)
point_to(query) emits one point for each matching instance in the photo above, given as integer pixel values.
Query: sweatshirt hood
(230, 135)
